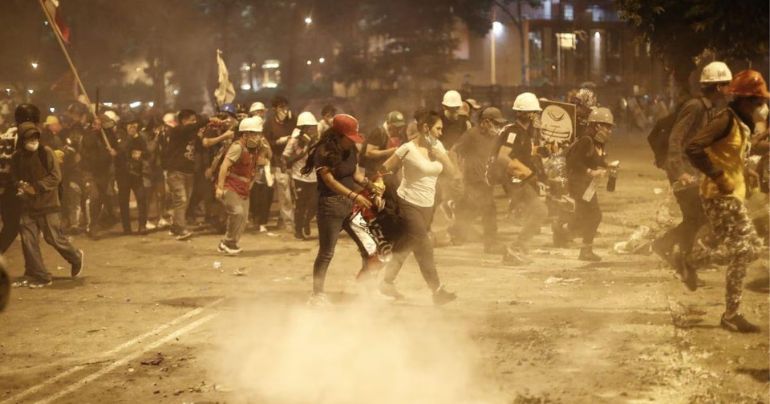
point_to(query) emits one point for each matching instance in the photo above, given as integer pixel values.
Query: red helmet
(347, 125)
(749, 83)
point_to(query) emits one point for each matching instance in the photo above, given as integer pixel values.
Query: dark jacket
(692, 116)
(181, 147)
(274, 130)
(581, 156)
(96, 159)
(41, 170)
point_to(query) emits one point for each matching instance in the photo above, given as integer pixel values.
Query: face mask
(602, 135)
(252, 143)
(32, 145)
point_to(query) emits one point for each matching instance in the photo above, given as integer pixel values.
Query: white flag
(225, 93)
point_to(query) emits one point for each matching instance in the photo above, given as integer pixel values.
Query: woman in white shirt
(423, 159)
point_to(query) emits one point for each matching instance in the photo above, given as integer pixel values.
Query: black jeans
(259, 204)
(478, 200)
(10, 211)
(50, 226)
(693, 217)
(333, 215)
(99, 203)
(586, 220)
(126, 185)
(305, 204)
(417, 221)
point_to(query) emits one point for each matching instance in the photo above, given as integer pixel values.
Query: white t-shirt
(293, 150)
(418, 185)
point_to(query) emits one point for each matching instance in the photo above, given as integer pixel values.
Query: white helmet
(306, 119)
(452, 99)
(716, 72)
(526, 102)
(601, 115)
(169, 119)
(112, 115)
(257, 106)
(251, 124)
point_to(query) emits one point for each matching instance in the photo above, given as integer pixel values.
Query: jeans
(237, 209)
(283, 189)
(533, 210)
(586, 220)
(10, 211)
(98, 191)
(202, 193)
(157, 205)
(693, 217)
(126, 185)
(417, 221)
(333, 214)
(72, 213)
(478, 200)
(261, 199)
(50, 226)
(306, 204)
(180, 186)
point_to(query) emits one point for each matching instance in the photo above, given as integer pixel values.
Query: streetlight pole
(493, 57)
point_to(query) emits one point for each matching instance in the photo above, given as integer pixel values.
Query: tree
(680, 30)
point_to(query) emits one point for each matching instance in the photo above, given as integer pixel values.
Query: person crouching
(236, 177)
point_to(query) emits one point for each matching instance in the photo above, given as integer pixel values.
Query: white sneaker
(162, 223)
(319, 300)
(150, 226)
(224, 248)
(262, 228)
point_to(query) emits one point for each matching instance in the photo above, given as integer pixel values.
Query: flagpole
(58, 35)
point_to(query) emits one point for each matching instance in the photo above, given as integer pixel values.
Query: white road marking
(120, 362)
(107, 354)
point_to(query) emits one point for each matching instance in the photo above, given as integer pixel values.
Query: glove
(725, 184)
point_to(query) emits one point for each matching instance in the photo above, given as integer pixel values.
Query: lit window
(569, 12)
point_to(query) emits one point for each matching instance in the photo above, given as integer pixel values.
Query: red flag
(52, 6)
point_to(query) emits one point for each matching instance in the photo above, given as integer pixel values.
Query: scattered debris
(131, 370)
(216, 265)
(156, 361)
(638, 243)
(552, 280)
(240, 272)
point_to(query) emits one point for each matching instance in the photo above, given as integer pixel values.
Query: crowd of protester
(78, 172)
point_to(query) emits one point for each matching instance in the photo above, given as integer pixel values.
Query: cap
(493, 114)
(396, 119)
(51, 120)
(473, 103)
(347, 125)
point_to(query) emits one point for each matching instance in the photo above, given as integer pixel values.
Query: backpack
(658, 138)
(216, 162)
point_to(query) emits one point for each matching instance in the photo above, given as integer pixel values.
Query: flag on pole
(52, 6)
(225, 93)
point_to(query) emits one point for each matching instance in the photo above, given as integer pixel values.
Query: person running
(519, 172)
(690, 118)
(423, 159)
(305, 185)
(585, 164)
(719, 151)
(37, 176)
(235, 179)
(335, 161)
(473, 151)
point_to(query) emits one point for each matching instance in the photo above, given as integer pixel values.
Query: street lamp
(497, 30)
(34, 65)
(31, 91)
(309, 62)
(308, 20)
(322, 60)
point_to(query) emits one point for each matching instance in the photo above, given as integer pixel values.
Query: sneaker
(262, 228)
(77, 269)
(20, 283)
(737, 323)
(39, 284)
(223, 247)
(319, 300)
(184, 235)
(442, 296)
(688, 274)
(587, 254)
(299, 236)
(389, 289)
(162, 223)
(150, 226)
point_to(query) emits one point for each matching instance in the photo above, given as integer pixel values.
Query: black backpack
(660, 134)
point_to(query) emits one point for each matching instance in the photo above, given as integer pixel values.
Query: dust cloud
(351, 353)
